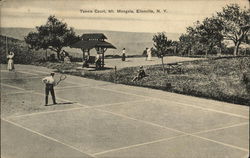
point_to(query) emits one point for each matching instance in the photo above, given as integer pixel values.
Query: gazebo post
(102, 51)
(83, 54)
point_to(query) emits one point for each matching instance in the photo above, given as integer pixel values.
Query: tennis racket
(62, 77)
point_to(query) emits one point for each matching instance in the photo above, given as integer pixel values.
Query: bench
(91, 61)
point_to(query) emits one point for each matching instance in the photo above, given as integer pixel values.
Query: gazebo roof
(92, 44)
(93, 36)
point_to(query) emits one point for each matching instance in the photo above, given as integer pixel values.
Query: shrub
(23, 55)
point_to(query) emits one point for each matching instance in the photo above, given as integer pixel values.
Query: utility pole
(6, 45)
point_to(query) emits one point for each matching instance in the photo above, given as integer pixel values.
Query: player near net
(49, 86)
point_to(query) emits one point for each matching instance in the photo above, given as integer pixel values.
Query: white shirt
(49, 80)
(98, 57)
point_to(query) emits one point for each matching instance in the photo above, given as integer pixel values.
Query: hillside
(224, 79)
(134, 42)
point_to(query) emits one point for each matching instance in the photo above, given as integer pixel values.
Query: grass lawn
(220, 79)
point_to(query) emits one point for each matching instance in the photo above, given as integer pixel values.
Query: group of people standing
(147, 52)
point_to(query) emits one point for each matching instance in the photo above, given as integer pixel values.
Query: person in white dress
(149, 53)
(10, 57)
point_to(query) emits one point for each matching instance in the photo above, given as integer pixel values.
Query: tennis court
(105, 120)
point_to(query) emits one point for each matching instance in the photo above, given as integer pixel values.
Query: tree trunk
(220, 49)
(58, 51)
(58, 55)
(209, 50)
(236, 48)
(162, 65)
(189, 51)
(46, 55)
(175, 51)
(219, 54)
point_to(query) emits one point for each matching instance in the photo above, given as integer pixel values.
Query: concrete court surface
(105, 120)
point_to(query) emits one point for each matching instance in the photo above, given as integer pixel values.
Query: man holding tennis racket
(49, 87)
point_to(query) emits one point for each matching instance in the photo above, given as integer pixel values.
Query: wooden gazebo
(93, 40)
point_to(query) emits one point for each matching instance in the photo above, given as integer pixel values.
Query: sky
(178, 14)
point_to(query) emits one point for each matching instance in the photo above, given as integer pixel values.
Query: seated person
(67, 60)
(141, 74)
(63, 54)
(86, 60)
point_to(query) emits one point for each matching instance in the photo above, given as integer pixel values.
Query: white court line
(67, 81)
(87, 85)
(28, 77)
(7, 85)
(45, 136)
(71, 109)
(221, 128)
(72, 82)
(20, 92)
(146, 122)
(194, 106)
(137, 145)
(214, 102)
(24, 72)
(46, 112)
(49, 73)
(125, 102)
(59, 98)
(208, 109)
(32, 91)
(225, 144)
(43, 72)
(56, 97)
(222, 104)
(67, 87)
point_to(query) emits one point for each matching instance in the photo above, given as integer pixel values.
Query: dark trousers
(98, 64)
(50, 88)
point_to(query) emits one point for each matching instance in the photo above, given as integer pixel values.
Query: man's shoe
(54, 103)
(46, 105)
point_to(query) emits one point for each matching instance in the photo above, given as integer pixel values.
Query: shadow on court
(61, 103)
